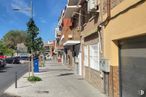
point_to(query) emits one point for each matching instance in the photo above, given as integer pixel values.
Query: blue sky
(46, 14)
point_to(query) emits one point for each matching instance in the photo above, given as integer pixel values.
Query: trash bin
(36, 65)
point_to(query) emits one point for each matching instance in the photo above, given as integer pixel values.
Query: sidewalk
(58, 81)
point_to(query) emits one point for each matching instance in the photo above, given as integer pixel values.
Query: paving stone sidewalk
(57, 81)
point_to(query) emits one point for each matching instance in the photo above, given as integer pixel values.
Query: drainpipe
(108, 9)
(100, 34)
(100, 30)
(101, 27)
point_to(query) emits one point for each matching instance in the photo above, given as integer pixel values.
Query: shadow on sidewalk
(47, 70)
(25, 86)
(55, 65)
(8, 95)
(65, 74)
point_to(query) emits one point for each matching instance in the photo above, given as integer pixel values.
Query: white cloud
(22, 5)
(42, 20)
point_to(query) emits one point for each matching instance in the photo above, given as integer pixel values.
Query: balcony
(72, 6)
(71, 42)
(73, 38)
(70, 10)
(74, 34)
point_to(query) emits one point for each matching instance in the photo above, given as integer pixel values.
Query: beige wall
(75, 34)
(129, 23)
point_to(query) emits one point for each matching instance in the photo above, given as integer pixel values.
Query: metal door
(133, 67)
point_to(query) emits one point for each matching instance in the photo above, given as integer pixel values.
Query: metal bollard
(15, 79)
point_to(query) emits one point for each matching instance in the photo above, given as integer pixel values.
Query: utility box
(104, 65)
(36, 65)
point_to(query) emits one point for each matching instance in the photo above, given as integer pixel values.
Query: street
(7, 74)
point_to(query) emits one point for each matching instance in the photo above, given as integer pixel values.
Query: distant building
(49, 47)
(21, 50)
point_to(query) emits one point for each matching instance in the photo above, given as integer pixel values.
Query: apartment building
(49, 49)
(79, 23)
(59, 49)
(124, 40)
(70, 36)
(91, 45)
(105, 42)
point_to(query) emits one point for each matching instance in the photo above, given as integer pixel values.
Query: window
(94, 56)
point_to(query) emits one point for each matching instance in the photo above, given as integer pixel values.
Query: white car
(24, 59)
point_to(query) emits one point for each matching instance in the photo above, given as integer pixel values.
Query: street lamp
(31, 17)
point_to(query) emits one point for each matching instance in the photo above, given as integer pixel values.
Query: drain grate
(42, 92)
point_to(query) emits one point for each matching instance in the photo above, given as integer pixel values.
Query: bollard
(15, 79)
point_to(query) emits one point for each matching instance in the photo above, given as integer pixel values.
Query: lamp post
(31, 17)
(32, 67)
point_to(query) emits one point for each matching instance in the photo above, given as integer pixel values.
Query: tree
(5, 50)
(34, 43)
(13, 37)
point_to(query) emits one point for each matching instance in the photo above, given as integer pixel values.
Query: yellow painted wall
(130, 23)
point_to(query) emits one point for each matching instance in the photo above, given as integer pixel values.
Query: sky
(46, 14)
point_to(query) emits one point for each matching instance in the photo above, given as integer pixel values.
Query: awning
(71, 42)
(70, 9)
(62, 37)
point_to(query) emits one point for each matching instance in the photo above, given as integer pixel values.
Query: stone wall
(93, 77)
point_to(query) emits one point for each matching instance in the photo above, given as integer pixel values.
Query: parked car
(24, 59)
(2, 56)
(13, 60)
(2, 63)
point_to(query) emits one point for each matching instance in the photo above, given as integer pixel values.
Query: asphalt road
(7, 75)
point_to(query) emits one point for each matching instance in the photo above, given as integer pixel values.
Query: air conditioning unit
(104, 65)
(92, 5)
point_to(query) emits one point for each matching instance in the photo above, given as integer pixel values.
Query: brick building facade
(70, 37)
(90, 44)
(102, 31)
